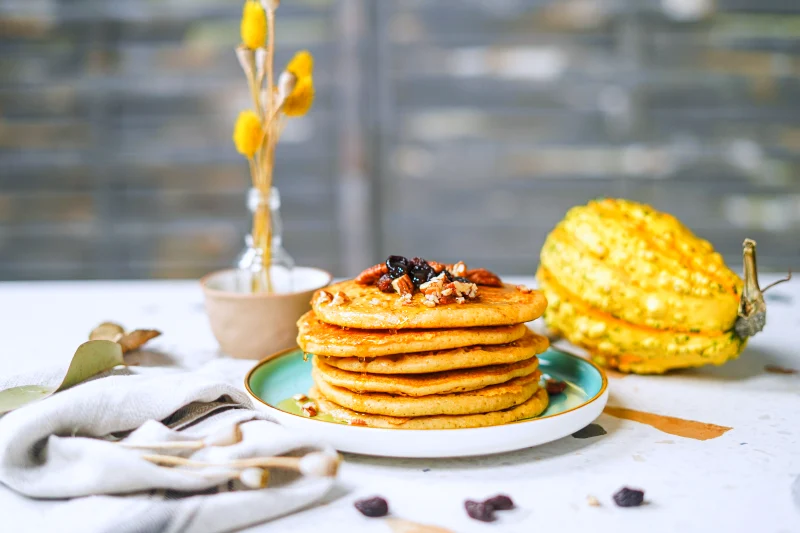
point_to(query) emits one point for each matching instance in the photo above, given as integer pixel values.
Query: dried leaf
(107, 331)
(137, 338)
(91, 358)
(112, 331)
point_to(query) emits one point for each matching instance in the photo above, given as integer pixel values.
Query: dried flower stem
(289, 463)
(262, 224)
(172, 445)
(313, 464)
(270, 58)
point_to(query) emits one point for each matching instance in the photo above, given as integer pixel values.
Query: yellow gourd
(641, 293)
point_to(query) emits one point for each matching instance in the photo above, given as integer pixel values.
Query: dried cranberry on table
(480, 511)
(484, 511)
(372, 507)
(626, 497)
(501, 502)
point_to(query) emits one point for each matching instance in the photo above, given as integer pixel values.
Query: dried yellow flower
(254, 25)
(299, 100)
(301, 65)
(247, 133)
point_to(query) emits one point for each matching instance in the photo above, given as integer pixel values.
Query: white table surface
(741, 481)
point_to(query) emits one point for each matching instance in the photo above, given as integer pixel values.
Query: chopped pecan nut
(340, 298)
(555, 386)
(457, 270)
(481, 276)
(524, 289)
(467, 290)
(433, 286)
(403, 285)
(437, 267)
(372, 274)
(324, 297)
(428, 303)
(309, 409)
(300, 397)
(445, 299)
(357, 422)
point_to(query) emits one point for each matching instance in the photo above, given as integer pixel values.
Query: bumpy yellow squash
(641, 293)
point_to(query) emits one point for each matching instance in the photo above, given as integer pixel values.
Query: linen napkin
(68, 446)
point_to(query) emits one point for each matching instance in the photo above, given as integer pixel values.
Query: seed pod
(318, 464)
(254, 478)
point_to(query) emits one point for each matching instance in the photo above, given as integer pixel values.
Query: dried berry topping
(480, 511)
(372, 507)
(416, 272)
(398, 265)
(420, 271)
(385, 283)
(501, 502)
(555, 386)
(626, 497)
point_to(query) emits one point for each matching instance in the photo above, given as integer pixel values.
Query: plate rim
(282, 353)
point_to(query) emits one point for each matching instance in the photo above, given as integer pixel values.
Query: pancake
(492, 398)
(438, 361)
(369, 308)
(534, 406)
(425, 384)
(319, 338)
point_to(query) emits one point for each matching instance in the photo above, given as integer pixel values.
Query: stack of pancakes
(382, 361)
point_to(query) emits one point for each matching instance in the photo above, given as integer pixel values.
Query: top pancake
(320, 338)
(369, 308)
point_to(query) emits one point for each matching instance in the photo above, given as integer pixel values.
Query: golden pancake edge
(367, 307)
(491, 398)
(441, 360)
(425, 384)
(534, 406)
(319, 338)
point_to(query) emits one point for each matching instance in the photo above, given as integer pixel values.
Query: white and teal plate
(273, 382)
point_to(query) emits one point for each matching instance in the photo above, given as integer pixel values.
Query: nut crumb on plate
(309, 409)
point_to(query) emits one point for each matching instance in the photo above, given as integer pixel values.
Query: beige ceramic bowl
(252, 326)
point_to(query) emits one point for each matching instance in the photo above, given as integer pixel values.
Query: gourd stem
(751, 288)
(752, 308)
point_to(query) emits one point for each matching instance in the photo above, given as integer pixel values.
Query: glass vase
(264, 265)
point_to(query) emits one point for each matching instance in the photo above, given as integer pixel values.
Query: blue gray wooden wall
(451, 129)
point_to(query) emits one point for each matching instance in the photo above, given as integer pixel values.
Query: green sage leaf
(91, 358)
